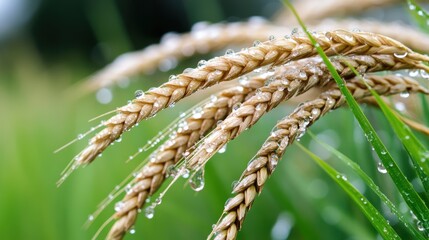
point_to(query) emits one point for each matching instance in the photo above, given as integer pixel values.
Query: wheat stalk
(152, 175)
(231, 66)
(286, 131)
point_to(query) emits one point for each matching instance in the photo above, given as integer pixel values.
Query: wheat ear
(209, 38)
(268, 97)
(228, 67)
(286, 131)
(153, 174)
(406, 34)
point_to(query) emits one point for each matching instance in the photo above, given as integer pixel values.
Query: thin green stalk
(373, 215)
(356, 168)
(411, 197)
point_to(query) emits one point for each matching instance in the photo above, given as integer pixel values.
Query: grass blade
(376, 219)
(411, 197)
(419, 15)
(356, 168)
(417, 151)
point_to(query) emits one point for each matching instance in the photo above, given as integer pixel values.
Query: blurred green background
(47, 46)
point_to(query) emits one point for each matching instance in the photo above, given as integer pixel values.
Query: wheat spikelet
(228, 67)
(286, 131)
(153, 174)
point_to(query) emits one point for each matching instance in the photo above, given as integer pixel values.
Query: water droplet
(80, 136)
(118, 139)
(381, 168)
(222, 149)
(91, 218)
(404, 94)
(271, 37)
(229, 52)
(400, 55)
(302, 75)
(119, 206)
(236, 106)
(412, 7)
(132, 230)
(274, 159)
(294, 32)
(197, 180)
(315, 112)
(363, 200)
(185, 173)
(138, 93)
(424, 74)
(420, 13)
(158, 200)
(128, 189)
(256, 43)
(172, 78)
(149, 212)
(202, 63)
(420, 226)
(171, 171)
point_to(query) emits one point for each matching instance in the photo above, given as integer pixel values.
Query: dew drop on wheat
(80, 136)
(381, 168)
(222, 149)
(149, 212)
(404, 94)
(138, 93)
(256, 43)
(132, 230)
(202, 63)
(158, 201)
(274, 159)
(119, 206)
(294, 32)
(185, 173)
(400, 55)
(229, 52)
(197, 181)
(91, 218)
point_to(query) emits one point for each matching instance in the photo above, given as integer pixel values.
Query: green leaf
(411, 197)
(356, 168)
(417, 151)
(373, 215)
(420, 16)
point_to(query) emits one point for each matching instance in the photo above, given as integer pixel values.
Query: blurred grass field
(40, 112)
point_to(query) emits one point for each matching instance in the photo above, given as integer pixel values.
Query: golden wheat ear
(288, 130)
(282, 83)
